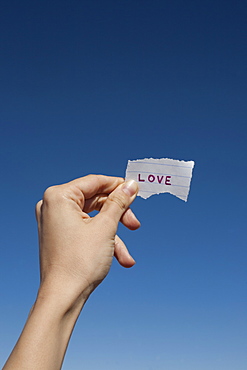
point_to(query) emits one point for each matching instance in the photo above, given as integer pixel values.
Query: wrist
(65, 291)
(63, 299)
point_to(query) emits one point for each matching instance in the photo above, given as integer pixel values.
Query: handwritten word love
(151, 178)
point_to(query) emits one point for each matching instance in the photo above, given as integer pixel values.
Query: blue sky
(87, 85)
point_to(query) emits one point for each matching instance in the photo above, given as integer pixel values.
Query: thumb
(118, 201)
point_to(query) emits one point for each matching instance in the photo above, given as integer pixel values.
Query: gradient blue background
(87, 85)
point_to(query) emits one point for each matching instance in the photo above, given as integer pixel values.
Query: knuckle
(49, 192)
(89, 176)
(120, 200)
(92, 177)
(53, 193)
(95, 179)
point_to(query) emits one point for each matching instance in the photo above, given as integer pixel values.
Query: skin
(76, 253)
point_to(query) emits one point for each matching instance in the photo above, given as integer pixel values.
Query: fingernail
(130, 187)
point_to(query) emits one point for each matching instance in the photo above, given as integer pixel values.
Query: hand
(76, 253)
(76, 250)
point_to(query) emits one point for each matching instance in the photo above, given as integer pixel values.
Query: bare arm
(76, 253)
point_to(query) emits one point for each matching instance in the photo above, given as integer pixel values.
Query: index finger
(91, 185)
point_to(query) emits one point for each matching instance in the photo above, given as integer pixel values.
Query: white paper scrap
(164, 175)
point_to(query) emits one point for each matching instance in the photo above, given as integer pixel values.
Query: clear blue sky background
(87, 85)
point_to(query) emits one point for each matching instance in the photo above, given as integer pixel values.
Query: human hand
(76, 250)
(76, 253)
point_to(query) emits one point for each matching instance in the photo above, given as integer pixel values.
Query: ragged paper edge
(159, 159)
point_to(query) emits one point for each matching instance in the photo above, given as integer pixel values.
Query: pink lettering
(139, 177)
(152, 178)
(168, 179)
(159, 179)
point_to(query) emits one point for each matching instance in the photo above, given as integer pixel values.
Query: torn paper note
(164, 175)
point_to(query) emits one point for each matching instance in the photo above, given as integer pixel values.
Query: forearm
(43, 342)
